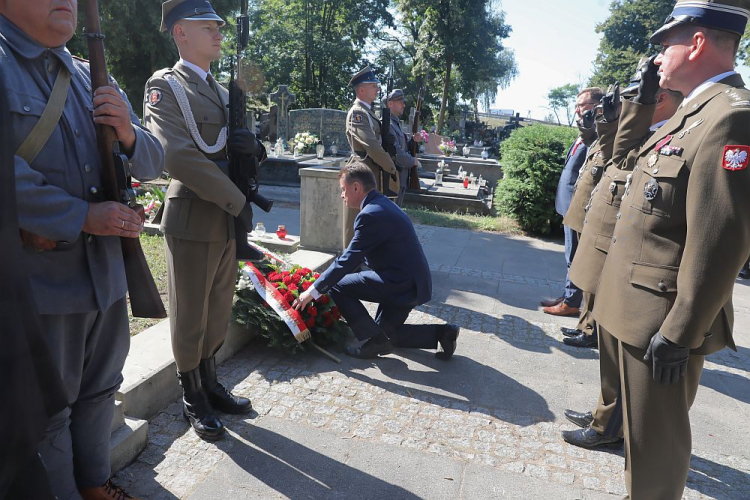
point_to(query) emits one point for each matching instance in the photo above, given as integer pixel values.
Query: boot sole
(203, 435)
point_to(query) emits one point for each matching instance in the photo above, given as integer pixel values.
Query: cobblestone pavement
(509, 419)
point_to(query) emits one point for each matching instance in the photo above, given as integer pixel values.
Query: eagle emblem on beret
(735, 157)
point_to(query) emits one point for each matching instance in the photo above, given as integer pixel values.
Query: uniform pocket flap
(179, 191)
(667, 167)
(654, 277)
(25, 104)
(602, 242)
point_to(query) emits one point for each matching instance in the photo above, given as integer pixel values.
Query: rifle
(385, 136)
(243, 170)
(414, 145)
(145, 301)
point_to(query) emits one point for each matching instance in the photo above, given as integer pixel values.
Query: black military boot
(219, 397)
(196, 408)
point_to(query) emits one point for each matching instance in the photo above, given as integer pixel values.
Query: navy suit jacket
(384, 239)
(567, 183)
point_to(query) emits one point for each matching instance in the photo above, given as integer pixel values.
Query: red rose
(292, 287)
(296, 278)
(285, 273)
(277, 285)
(310, 323)
(289, 297)
(324, 299)
(312, 311)
(306, 285)
(274, 276)
(336, 312)
(328, 321)
(306, 271)
(316, 275)
(287, 280)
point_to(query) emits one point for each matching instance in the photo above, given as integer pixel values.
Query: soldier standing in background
(187, 110)
(404, 161)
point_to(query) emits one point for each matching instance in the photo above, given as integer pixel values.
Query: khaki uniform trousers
(608, 411)
(351, 213)
(201, 279)
(656, 426)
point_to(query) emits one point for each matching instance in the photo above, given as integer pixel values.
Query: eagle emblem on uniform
(735, 157)
(154, 96)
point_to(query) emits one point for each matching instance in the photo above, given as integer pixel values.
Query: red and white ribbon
(270, 294)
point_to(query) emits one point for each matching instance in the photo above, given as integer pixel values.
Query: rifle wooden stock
(145, 301)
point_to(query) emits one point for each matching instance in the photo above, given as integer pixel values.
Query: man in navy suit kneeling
(398, 278)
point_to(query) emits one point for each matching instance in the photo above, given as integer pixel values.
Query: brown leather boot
(109, 491)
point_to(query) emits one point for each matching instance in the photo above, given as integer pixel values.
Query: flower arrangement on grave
(305, 140)
(263, 299)
(424, 135)
(447, 147)
(151, 199)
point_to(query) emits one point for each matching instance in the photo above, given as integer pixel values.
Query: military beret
(365, 75)
(192, 10)
(724, 15)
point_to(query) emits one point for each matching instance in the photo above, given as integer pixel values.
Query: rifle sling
(47, 123)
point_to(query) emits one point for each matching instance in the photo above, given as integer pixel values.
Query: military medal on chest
(651, 189)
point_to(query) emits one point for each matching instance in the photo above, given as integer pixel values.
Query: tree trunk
(444, 100)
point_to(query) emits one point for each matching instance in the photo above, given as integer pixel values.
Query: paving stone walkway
(484, 425)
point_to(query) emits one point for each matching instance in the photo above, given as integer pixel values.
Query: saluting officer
(682, 237)
(363, 132)
(187, 110)
(645, 108)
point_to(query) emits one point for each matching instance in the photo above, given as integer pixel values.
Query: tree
(461, 38)
(625, 38)
(563, 98)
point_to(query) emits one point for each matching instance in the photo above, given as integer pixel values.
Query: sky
(555, 43)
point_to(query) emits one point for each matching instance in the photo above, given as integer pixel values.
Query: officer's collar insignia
(671, 150)
(735, 157)
(154, 96)
(650, 190)
(663, 142)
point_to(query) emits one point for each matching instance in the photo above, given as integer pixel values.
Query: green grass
(153, 248)
(495, 224)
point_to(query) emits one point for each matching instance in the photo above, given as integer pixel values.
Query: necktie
(575, 146)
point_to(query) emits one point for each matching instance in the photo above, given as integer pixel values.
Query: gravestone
(283, 98)
(329, 125)
(269, 125)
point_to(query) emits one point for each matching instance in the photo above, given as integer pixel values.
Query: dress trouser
(608, 411)
(89, 350)
(572, 295)
(586, 322)
(201, 277)
(658, 440)
(390, 316)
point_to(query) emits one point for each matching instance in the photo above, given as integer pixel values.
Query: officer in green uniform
(641, 116)
(682, 237)
(187, 110)
(604, 128)
(363, 132)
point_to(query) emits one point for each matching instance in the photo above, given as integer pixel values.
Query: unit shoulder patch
(153, 97)
(735, 157)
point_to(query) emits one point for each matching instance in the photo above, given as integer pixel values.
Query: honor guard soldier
(73, 251)
(645, 108)
(396, 102)
(187, 110)
(363, 134)
(682, 236)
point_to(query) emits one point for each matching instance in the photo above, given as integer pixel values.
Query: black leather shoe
(570, 332)
(582, 340)
(370, 349)
(578, 418)
(196, 409)
(589, 438)
(218, 395)
(448, 342)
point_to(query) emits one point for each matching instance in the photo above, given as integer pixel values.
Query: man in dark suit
(398, 278)
(570, 302)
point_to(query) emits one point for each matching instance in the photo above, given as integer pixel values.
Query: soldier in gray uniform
(72, 237)
(396, 102)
